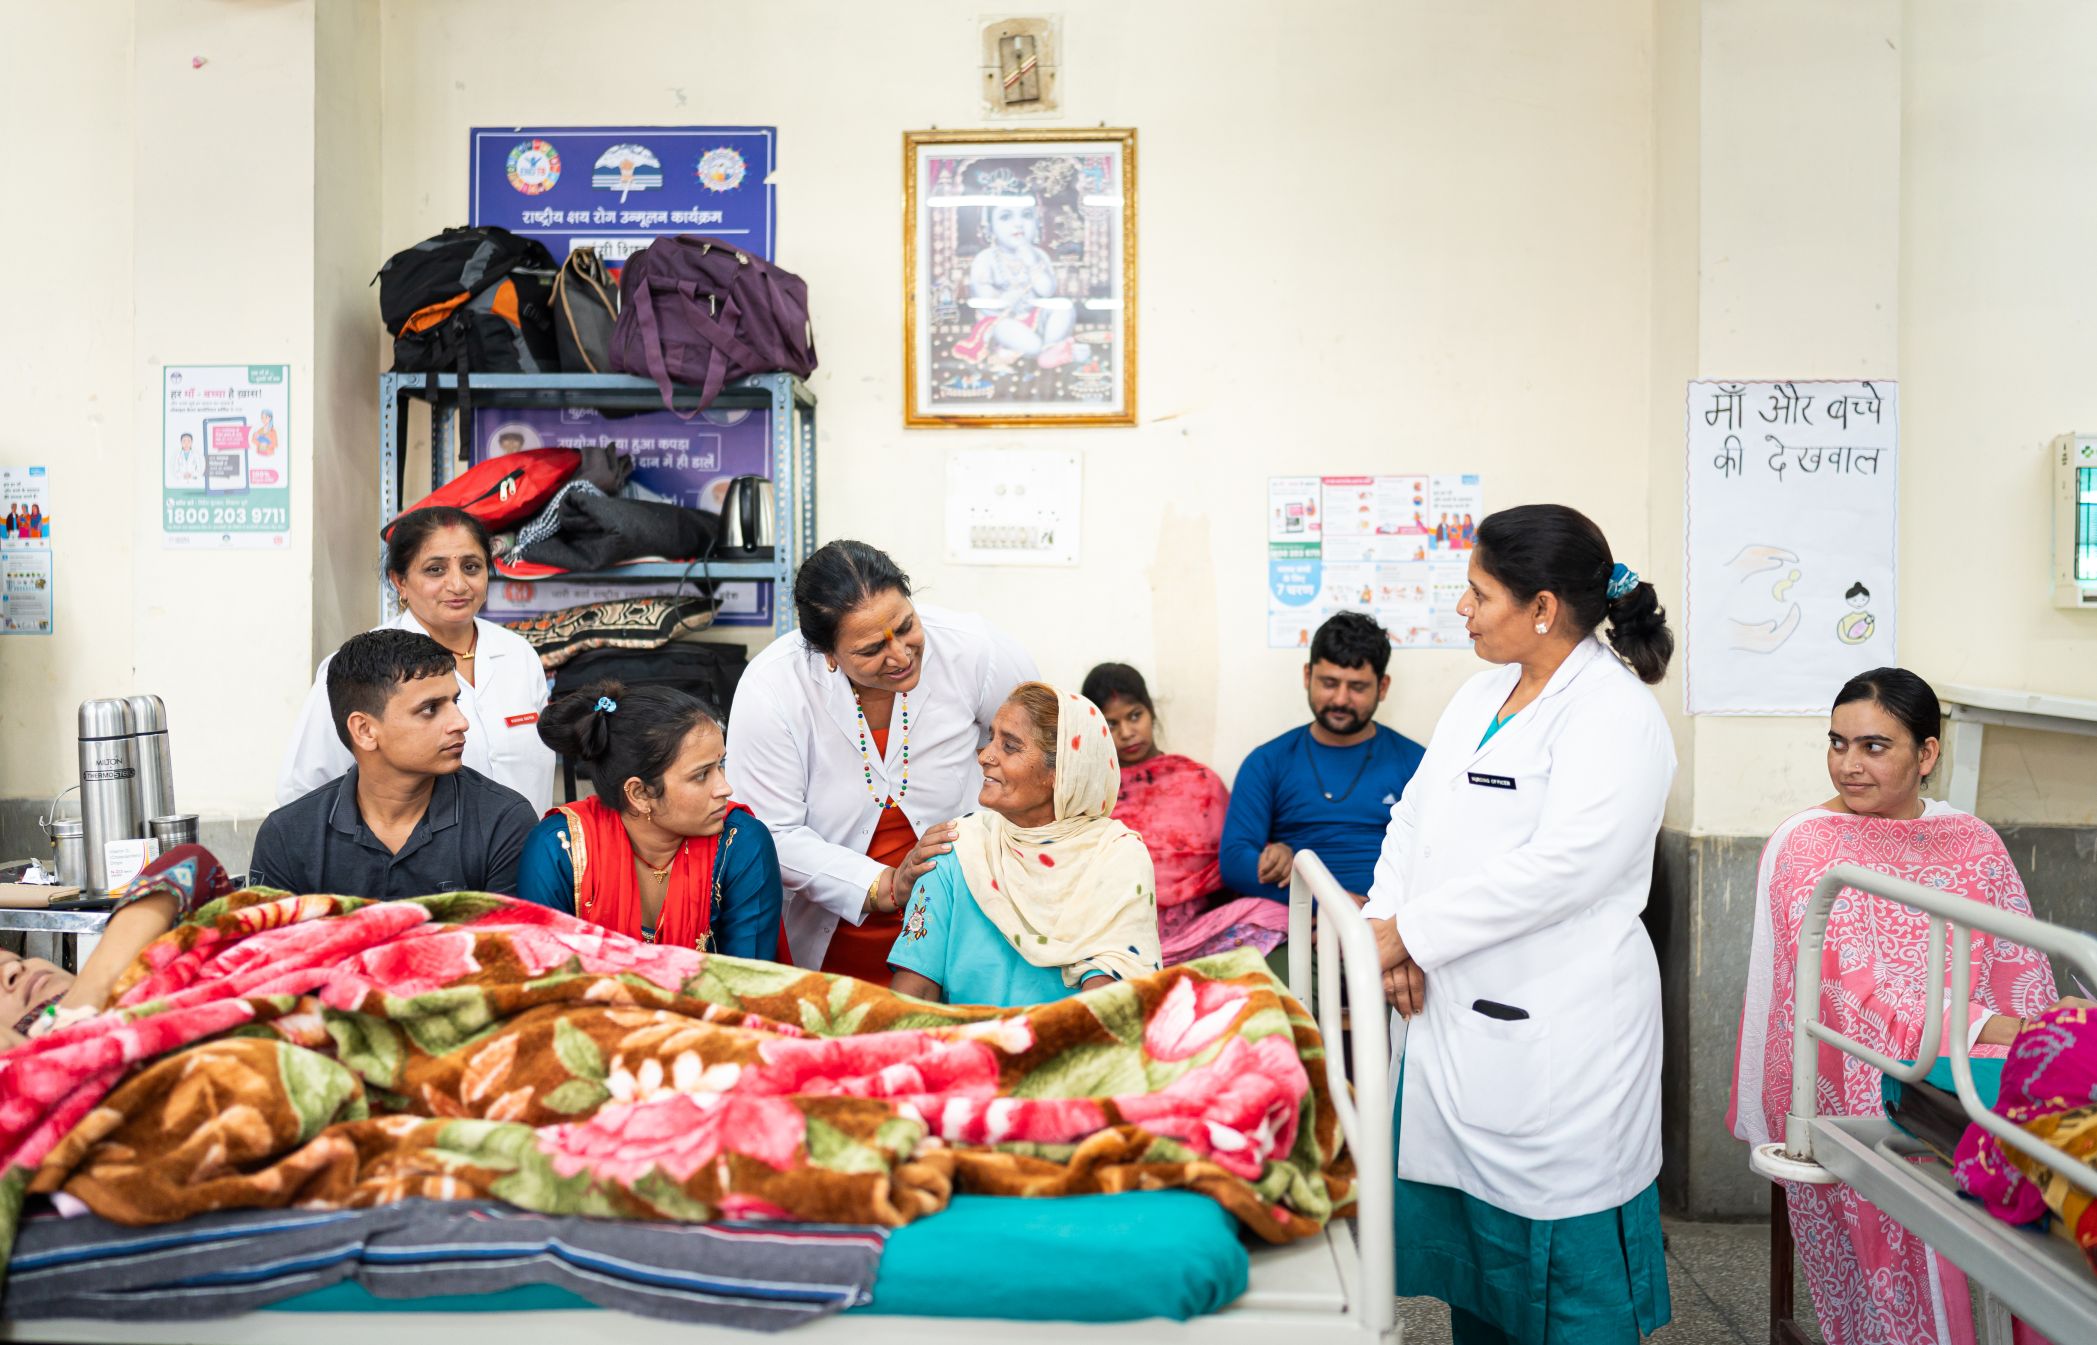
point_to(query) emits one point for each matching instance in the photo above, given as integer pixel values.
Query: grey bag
(585, 308)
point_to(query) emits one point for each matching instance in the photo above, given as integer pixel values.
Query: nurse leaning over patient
(1506, 907)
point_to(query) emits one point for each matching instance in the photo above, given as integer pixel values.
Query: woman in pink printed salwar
(1873, 1282)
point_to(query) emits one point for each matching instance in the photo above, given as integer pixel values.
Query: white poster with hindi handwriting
(1792, 524)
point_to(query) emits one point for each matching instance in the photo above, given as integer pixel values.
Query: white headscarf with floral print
(1079, 893)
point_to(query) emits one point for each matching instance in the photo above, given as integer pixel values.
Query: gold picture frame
(1019, 278)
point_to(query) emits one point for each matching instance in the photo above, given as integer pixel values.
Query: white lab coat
(1529, 897)
(502, 721)
(793, 759)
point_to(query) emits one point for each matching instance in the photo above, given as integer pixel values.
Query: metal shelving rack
(793, 437)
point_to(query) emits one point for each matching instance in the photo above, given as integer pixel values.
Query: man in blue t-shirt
(1328, 786)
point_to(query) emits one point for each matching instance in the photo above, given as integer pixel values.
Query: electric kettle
(746, 520)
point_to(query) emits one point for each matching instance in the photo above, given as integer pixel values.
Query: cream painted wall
(1998, 210)
(347, 108)
(1672, 341)
(1799, 209)
(190, 237)
(1899, 190)
(223, 248)
(1374, 237)
(74, 413)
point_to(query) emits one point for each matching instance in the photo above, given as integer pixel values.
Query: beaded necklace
(866, 763)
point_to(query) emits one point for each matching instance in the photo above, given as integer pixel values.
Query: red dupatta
(1178, 805)
(607, 893)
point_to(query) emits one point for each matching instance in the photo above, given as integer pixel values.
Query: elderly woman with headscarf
(1044, 893)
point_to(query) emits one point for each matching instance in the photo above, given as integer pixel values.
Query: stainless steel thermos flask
(156, 765)
(109, 783)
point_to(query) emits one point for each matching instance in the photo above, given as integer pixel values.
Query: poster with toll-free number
(1792, 526)
(225, 456)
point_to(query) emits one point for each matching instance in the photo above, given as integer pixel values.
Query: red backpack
(503, 492)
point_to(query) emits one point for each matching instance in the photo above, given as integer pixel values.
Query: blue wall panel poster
(675, 461)
(618, 188)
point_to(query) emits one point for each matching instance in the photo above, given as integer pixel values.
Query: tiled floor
(1718, 1277)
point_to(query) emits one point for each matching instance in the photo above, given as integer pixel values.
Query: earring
(1542, 629)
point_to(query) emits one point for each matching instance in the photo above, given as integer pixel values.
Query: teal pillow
(1111, 1258)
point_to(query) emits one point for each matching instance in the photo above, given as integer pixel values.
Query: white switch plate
(1013, 506)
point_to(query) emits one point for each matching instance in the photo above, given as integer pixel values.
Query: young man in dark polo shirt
(409, 818)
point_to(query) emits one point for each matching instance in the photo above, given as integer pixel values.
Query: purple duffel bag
(699, 312)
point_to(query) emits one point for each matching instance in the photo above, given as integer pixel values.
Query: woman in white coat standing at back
(437, 562)
(854, 739)
(1506, 905)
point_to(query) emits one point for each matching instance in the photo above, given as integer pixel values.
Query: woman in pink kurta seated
(1873, 1281)
(1178, 805)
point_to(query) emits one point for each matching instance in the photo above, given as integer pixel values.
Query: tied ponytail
(1639, 633)
(1549, 548)
(578, 726)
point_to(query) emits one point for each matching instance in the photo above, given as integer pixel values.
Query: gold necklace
(665, 869)
(473, 647)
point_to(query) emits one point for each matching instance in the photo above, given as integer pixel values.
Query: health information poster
(225, 450)
(1394, 547)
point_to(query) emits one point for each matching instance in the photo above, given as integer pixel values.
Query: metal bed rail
(1346, 952)
(2040, 1278)
(1792, 1158)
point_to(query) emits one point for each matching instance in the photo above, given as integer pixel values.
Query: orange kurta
(861, 950)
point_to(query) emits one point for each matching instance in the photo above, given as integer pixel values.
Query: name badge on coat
(1490, 781)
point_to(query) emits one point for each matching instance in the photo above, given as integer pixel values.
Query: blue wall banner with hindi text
(619, 188)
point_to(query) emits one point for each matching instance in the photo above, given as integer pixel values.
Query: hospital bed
(2022, 1272)
(1335, 1289)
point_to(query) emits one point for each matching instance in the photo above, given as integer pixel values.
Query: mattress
(1111, 1258)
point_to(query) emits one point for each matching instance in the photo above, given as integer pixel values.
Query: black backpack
(474, 301)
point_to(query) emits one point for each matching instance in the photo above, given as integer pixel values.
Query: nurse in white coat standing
(854, 739)
(1506, 906)
(437, 561)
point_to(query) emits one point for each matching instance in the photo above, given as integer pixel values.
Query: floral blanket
(329, 1052)
(2049, 1088)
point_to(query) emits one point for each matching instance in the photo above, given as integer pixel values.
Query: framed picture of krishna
(1019, 277)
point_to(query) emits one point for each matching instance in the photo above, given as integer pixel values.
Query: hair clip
(607, 704)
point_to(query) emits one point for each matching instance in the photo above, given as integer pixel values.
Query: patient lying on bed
(37, 996)
(277, 1051)
(1044, 893)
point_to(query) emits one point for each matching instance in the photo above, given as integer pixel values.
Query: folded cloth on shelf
(330, 1053)
(756, 1276)
(605, 466)
(547, 521)
(2049, 1090)
(625, 623)
(597, 530)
